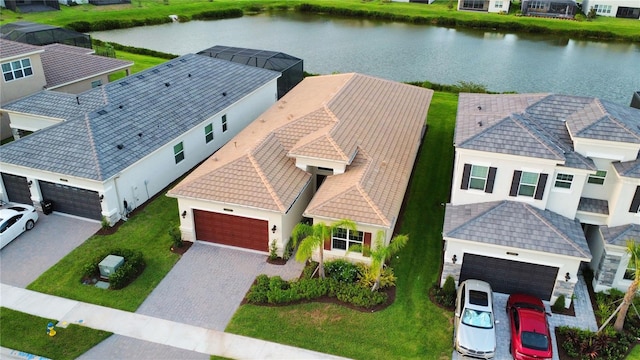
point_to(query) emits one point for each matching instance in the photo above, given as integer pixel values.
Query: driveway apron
(32, 253)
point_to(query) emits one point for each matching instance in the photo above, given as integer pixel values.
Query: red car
(530, 337)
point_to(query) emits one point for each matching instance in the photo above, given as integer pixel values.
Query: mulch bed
(181, 250)
(276, 261)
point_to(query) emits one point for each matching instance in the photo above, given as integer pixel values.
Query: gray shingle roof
(593, 205)
(620, 234)
(538, 126)
(517, 225)
(628, 168)
(11, 49)
(142, 112)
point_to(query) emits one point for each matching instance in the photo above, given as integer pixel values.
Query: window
(208, 133)
(635, 202)
(564, 181)
(478, 177)
(597, 178)
(178, 152)
(96, 83)
(224, 123)
(343, 239)
(602, 9)
(16, 69)
(498, 4)
(473, 4)
(528, 182)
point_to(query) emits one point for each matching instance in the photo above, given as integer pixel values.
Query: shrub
(341, 270)
(258, 292)
(176, 237)
(558, 305)
(288, 250)
(218, 14)
(133, 266)
(273, 250)
(79, 26)
(309, 269)
(366, 279)
(359, 296)
(585, 344)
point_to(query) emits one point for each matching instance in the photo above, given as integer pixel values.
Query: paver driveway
(35, 251)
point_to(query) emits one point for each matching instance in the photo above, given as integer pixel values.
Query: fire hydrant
(50, 330)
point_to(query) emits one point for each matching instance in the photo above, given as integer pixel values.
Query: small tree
(380, 253)
(591, 15)
(633, 249)
(314, 236)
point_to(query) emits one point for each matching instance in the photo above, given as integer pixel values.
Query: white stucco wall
(30, 122)
(620, 202)
(615, 4)
(494, 6)
(565, 201)
(606, 150)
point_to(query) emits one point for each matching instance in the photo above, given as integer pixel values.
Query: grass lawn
(147, 231)
(412, 327)
(27, 333)
(141, 9)
(635, 353)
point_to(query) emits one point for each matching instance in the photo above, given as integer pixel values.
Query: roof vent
(120, 146)
(140, 77)
(102, 112)
(183, 60)
(155, 71)
(120, 107)
(189, 75)
(224, 93)
(169, 65)
(166, 84)
(480, 123)
(479, 107)
(140, 135)
(123, 83)
(78, 100)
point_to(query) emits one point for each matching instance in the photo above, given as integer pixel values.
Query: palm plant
(381, 253)
(310, 237)
(634, 259)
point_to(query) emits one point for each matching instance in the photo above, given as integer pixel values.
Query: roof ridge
(552, 226)
(538, 135)
(628, 228)
(92, 145)
(479, 215)
(483, 131)
(328, 134)
(266, 182)
(608, 116)
(373, 205)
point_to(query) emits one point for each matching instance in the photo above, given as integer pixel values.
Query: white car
(14, 220)
(474, 330)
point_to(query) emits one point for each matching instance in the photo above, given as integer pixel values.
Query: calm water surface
(406, 52)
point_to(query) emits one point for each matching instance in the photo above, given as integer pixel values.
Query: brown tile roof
(10, 49)
(373, 125)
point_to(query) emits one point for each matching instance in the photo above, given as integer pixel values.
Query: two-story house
(541, 184)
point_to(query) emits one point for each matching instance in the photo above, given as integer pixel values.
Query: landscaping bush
(588, 345)
(309, 269)
(558, 305)
(341, 270)
(366, 279)
(258, 292)
(134, 50)
(176, 237)
(132, 267)
(358, 295)
(218, 14)
(445, 296)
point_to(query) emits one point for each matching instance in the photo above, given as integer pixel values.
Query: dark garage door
(508, 276)
(72, 200)
(231, 230)
(17, 188)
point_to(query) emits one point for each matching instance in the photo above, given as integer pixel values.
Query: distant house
(416, 1)
(492, 6)
(549, 8)
(43, 34)
(629, 9)
(335, 147)
(542, 184)
(28, 6)
(104, 152)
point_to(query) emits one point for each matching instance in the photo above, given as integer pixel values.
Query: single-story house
(335, 147)
(549, 8)
(492, 6)
(629, 9)
(102, 153)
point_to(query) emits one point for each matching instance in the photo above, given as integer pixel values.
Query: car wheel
(29, 225)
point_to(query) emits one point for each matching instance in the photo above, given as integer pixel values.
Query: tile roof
(542, 126)
(628, 168)
(142, 112)
(596, 206)
(517, 225)
(620, 234)
(373, 125)
(11, 49)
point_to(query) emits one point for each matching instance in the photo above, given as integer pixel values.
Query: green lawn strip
(142, 9)
(147, 232)
(28, 333)
(140, 62)
(410, 328)
(634, 354)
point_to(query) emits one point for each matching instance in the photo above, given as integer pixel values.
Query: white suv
(474, 331)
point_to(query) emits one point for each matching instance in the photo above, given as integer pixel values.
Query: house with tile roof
(629, 9)
(335, 147)
(28, 69)
(106, 151)
(542, 184)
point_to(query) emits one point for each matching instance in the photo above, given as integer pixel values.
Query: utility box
(109, 265)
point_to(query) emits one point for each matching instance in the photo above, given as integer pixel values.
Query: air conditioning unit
(109, 265)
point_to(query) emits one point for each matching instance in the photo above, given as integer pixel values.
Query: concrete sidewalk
(149, 328)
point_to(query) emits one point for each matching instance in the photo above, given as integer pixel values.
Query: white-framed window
(597, 178)
(96, 83)
(498, 4)
(528, 183)
(563, 181)
(602, 9)
(478, 177)
(208, 133)
(16, 69)
(224, 123)
(343, 239)
(178, 152)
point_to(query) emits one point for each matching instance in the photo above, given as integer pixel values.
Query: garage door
(72, 200)
(508, 276)
(232, 230)
(17, 188)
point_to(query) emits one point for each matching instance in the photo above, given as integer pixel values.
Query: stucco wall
(15, 89)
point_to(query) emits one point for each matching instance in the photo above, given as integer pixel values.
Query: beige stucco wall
(15, 89)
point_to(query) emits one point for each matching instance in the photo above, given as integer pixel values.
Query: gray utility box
(109, 265)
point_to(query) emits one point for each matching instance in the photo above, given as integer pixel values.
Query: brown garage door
(508, 276)
(232, 230)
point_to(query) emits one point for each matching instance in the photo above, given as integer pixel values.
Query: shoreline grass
(143, 12)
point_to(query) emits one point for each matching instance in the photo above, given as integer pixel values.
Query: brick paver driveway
(35, 251)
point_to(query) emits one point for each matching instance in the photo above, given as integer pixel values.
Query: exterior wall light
(30, 183)
(567, 277)
(454, 258)
(184, 214)
(273, 229)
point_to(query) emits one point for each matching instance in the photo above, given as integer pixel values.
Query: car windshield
(477, 318)
(17, 208)
(535, 341)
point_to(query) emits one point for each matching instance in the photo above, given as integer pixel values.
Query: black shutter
(515, 183)
(465, 177)
(542, 182)
(491, 179)
(635, 203)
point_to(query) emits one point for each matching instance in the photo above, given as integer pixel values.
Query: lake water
(407, 52)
